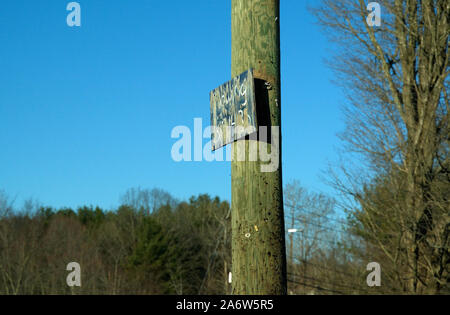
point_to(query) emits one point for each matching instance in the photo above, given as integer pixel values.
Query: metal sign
(233, 110)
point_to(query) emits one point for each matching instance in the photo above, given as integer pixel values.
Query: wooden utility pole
(258, 239)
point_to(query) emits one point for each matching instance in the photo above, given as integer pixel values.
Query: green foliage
(127, 251)
(90, 217)
(150, 254)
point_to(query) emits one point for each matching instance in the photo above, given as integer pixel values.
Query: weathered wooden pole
(258, 239)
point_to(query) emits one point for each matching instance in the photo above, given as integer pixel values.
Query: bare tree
(396, 80)
(147, 200)
(312, 233)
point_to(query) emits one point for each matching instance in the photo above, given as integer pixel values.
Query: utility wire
(320, 226)
(315, 238)
(325, 268)
(319, 215)
(317, 287)
(353, 288)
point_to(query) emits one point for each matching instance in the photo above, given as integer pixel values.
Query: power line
(317, 287)
(321, 226)
(325, 268)
(315, 238)
(332, 283)
(319, 215)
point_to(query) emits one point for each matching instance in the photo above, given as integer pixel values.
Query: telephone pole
(258, 238)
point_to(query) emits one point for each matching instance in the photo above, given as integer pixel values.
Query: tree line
(155, 244)
(151, 244)
(392, 204)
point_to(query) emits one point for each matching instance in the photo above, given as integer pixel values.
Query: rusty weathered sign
(233, 110)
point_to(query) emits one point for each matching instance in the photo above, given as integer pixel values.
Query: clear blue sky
(86, 113)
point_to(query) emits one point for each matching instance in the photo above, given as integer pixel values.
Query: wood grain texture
(258, 240)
